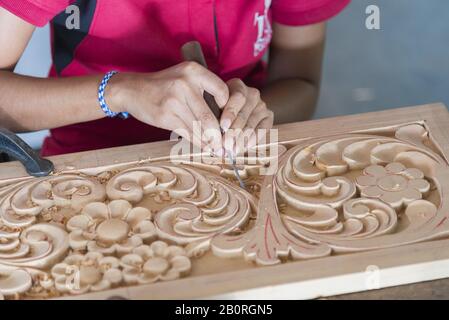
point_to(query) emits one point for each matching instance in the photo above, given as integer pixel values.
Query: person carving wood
(141, 39)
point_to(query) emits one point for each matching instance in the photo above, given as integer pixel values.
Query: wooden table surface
(430, 290)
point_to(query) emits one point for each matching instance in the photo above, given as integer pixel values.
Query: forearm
(291, 100)
(294, 72)
(28, 103)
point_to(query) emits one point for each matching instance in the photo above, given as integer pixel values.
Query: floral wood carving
(344, 194)
(154, 221)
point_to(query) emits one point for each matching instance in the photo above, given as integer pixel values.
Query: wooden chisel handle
(192, 51)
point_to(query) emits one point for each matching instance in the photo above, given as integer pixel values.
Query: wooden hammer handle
(192, 51)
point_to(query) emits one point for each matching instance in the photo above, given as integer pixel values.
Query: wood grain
(383, 258)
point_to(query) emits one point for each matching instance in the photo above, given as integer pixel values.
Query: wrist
(117, 94)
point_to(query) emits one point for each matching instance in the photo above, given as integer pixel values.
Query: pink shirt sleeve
(304, 12)
(36, 12)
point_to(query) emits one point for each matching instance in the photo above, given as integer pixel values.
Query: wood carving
(73, 233)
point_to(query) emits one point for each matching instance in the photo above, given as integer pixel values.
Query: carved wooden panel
(97, 229)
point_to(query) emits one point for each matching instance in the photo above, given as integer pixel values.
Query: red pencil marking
(265, 237)
(441, 222)
(274, 233)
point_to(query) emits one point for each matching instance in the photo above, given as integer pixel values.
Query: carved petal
(419, 160)
(394, 168)
(137, 215)
(155, 266)
(131, 261)
(145, 230)
(159, 249)
(366, 181)
(77, 240)
(113, 275)
(357, 154)
(386, 153)
(376, 171)
(78, 222)
(118, 209)
(394, 199)
(329, 157)
(421, 185)
(174, 251)
(411, 195)
(17, 281)
(96, 210)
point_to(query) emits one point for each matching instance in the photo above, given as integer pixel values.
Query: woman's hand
(172, 99)
(244, 113)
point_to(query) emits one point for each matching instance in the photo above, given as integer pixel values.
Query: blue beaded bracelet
(102, 100)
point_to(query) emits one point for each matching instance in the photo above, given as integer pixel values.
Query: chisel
(192, 51)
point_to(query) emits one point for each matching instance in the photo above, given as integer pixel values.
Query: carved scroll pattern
(74, 234)
(146, 223)
(344, 194)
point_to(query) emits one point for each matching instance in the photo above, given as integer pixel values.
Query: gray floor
(404, 63)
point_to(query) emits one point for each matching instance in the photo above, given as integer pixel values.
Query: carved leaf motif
(27, 200)
(193, 222)
(38, 246)
(400, 183)
(344, 193)
(268, 241)
(26, 240)
(313, 192)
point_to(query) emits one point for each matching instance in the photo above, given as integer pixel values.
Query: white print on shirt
(264, 30)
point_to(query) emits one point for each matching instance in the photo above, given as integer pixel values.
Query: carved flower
(147, 264)
(79, 274)
(13, 283)
(394, 184)
(113, 228)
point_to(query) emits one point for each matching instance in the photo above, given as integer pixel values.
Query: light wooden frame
(300, 279)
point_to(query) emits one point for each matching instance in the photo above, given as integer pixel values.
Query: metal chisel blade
(236, 171)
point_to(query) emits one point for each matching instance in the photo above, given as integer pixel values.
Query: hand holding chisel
(192, 51)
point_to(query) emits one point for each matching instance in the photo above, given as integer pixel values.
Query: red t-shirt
(146, 36)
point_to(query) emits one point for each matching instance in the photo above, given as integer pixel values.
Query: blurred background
(404, 63)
